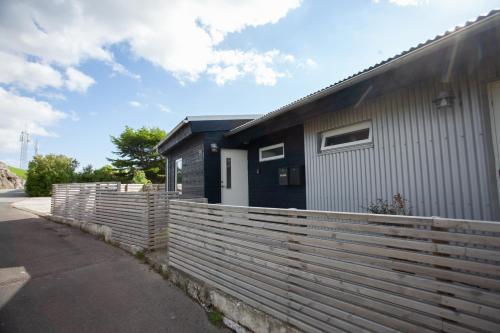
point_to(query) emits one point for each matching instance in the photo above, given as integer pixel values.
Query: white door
(495, 127)
(234, 177)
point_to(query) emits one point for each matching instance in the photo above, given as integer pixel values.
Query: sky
(73, 73)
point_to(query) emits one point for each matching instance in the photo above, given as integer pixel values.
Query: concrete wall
(440, 160)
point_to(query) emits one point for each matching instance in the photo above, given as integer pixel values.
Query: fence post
(150, 224)
(52, 199)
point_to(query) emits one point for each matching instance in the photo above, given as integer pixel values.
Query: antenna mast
(36, 147)
(25, 140)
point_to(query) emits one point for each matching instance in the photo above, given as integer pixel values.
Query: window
(178, 175)
(273, 152)
(228, 172)
(347, 136)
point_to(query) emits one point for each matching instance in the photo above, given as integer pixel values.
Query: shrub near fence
(135, 218)
(329, 271)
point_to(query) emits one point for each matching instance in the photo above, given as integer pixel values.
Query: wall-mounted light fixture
(444, 99)
(214, 147)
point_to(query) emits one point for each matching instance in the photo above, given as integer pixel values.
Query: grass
(140, 255)
(19, 172)
(216, 317)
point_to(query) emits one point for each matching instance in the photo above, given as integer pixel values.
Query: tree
(136, 151)
(140, 178)
(106, 174)
(91, 175)
(86, 175)
(43, 171)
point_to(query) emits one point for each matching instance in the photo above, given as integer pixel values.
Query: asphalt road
(54, 278)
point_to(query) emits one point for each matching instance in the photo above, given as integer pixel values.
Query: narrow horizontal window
(347, 136)
(273, 152)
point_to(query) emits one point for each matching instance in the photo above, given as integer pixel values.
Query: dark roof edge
(377, 69)
(189, 119)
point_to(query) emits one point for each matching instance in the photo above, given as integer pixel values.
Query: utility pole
(36, 147)
(25, 140)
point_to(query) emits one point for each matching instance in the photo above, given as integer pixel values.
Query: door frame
(495, 136)
(239, 177)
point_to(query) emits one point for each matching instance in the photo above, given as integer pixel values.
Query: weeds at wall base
(140, 256)
(216, 318)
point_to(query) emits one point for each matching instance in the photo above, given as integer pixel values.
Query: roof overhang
(189, 119)
(441, 41)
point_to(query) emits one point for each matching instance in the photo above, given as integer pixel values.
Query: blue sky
(73, 76)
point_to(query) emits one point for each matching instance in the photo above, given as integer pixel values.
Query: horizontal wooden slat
(135, 218)
(444, 279)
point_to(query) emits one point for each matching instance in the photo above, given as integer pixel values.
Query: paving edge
(238, 316)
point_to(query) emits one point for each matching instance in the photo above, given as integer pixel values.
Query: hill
(19, 172)
(9, 179)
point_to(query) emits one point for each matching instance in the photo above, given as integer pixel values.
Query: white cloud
(408, 2)
(120, 69)
(77, 81)
(43, 44)
(230, 65)
(15, 69)
(74, 116)
(52, 96)
(23, 113)
(163, 108)
(311, 63)
(135, 104)
(182, 37)
(405, 3)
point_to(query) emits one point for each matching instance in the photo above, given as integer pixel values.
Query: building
(192, 155)
(424, 123)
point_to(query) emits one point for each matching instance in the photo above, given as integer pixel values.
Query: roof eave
(398, 61)
(171, 133)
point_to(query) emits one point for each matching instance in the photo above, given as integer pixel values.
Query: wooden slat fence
(331, 271)
(136, 218)
(141, 187)
(77, 200)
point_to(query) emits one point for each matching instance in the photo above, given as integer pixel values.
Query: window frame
(265, 159)
(175, 174)
(344, 130)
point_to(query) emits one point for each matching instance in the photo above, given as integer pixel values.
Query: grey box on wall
(283, 176)
(291, 176)
(296, 175)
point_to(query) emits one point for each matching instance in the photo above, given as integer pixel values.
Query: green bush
(91, 175)
(43, 171)
(140, 178)
(398, 206)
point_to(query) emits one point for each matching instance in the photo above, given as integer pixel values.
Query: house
(192, 156)
(424, 123)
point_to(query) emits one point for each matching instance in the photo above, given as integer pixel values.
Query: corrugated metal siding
(440, 160)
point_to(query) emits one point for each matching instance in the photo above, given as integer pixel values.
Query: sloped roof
(410, 54)
(190, 119)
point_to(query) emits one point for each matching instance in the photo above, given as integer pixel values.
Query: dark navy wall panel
(263, 182)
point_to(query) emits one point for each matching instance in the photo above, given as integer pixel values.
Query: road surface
(54, 278)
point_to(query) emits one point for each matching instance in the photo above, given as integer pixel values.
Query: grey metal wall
(440, 160)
